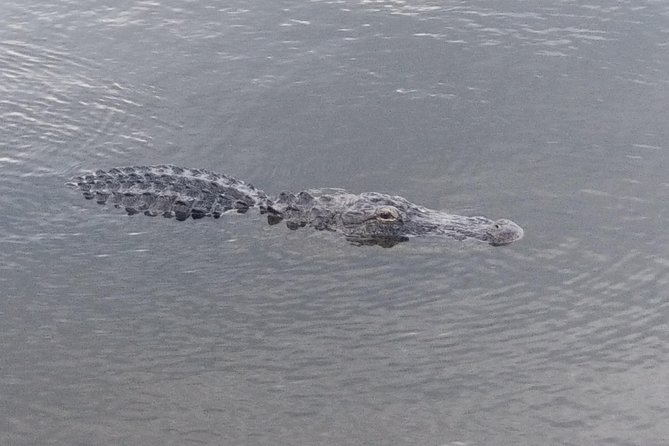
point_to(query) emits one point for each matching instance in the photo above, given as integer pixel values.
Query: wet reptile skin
(367, 218)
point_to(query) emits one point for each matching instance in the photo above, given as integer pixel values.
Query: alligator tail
(170, 191)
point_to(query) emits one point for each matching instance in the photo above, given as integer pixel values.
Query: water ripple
(52, 100)
(485, 23)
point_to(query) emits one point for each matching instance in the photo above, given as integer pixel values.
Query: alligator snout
(503, 231)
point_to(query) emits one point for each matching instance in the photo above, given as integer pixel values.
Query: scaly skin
(367, 218)
(170, 191)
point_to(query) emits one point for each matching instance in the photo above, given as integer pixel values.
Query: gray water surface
(124, 330)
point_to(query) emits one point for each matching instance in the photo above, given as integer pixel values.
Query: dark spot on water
(181, 216)
(273, 219)
(198, 213)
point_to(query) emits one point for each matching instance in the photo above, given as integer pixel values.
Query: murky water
(119, 330)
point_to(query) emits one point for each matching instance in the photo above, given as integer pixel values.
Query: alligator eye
(388, 215)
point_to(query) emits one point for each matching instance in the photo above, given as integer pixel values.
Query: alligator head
(388, 224)
(378, 219)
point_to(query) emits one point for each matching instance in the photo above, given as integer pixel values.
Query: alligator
(369, 218)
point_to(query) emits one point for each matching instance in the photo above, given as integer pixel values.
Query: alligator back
(170, 191)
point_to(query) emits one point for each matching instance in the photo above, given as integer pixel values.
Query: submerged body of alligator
(367, 218)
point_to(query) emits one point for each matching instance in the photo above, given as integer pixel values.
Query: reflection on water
(51, 100)
(131, 330)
